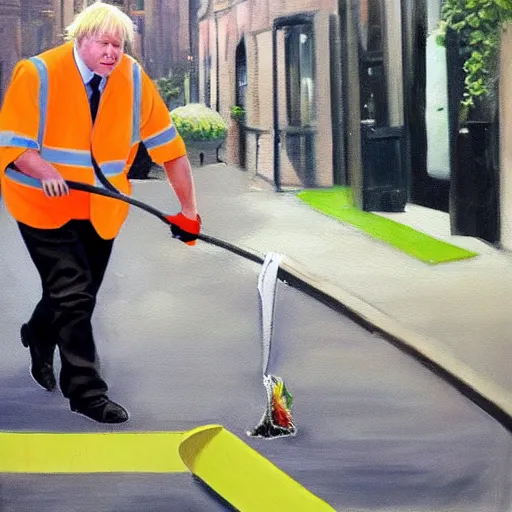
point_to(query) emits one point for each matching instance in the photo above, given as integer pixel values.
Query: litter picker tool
(277, 418)
(116, 194)
(84, 187)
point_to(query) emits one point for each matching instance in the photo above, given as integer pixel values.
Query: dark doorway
(425, 189)
(241, 89)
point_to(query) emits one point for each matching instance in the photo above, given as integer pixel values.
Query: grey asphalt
(106, 493)
(179, 336)
(457, 315)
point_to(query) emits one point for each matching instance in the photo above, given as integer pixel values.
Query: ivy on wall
(478, 24)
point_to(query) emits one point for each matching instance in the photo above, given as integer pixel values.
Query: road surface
(178, 332)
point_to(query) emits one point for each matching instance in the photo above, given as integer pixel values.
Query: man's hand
(184, 228)
(31, 164)
(55, 186)
(187, 224)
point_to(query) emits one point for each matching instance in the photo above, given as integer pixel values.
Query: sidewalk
(458, 315)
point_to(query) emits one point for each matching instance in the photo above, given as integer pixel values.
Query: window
(241, 75)
(373, 92)
(370, 18)
(137, 5)
(299, 57)
(207, 81)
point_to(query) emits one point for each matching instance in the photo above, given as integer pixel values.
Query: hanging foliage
(478, 24)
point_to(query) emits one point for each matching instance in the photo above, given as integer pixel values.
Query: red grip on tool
(185, 229)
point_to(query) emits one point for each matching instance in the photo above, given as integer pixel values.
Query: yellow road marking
(155, 452)
(233, 469)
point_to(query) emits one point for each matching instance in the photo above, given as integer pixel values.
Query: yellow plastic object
(239, 474)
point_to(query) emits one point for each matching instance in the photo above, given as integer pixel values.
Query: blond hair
(101, 18)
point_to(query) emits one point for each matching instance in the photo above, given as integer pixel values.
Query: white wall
(438, 150)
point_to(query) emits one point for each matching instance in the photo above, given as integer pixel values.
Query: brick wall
(166, 35)
(183, 40)
(262, 92)
(252, 97)
(324, 140)
(10, 42)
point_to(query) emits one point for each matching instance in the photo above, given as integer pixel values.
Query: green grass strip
(337, 203)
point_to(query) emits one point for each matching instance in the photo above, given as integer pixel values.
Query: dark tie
(95, 97)
(94, 102)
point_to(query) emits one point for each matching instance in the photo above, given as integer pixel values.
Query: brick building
(166, 36)
(334, 93)
(237, 41)
(29, 27)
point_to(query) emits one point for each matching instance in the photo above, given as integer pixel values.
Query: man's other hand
(55, 187)
(31, 164)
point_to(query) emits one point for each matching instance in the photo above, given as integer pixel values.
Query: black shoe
(100, 409)
(41, 368)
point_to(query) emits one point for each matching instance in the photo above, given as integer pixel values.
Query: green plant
(237, 112)
(196, 122)
(478, 24)
(169, 88)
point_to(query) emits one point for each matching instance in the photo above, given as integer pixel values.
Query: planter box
(203, 152)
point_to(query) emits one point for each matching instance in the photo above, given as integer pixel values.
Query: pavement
(455, 316)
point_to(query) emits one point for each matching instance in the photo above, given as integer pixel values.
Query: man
(78, 112)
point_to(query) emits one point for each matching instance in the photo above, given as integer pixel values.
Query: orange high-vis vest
(46, 109)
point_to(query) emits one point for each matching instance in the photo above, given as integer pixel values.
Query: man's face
(101, 53)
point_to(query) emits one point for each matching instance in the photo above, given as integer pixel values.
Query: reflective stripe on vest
(69, 157)
(15, 140)
(162, 138)
(157, 140)
(22, 179)
(113, 168)
(42, 70)
(137, 94)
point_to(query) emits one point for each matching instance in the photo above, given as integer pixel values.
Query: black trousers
(71, 262)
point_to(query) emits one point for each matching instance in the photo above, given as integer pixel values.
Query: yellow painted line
(234, 470)
(242, 476)
(152, 452)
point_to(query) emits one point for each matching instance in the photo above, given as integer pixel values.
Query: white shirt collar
(85, 72)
